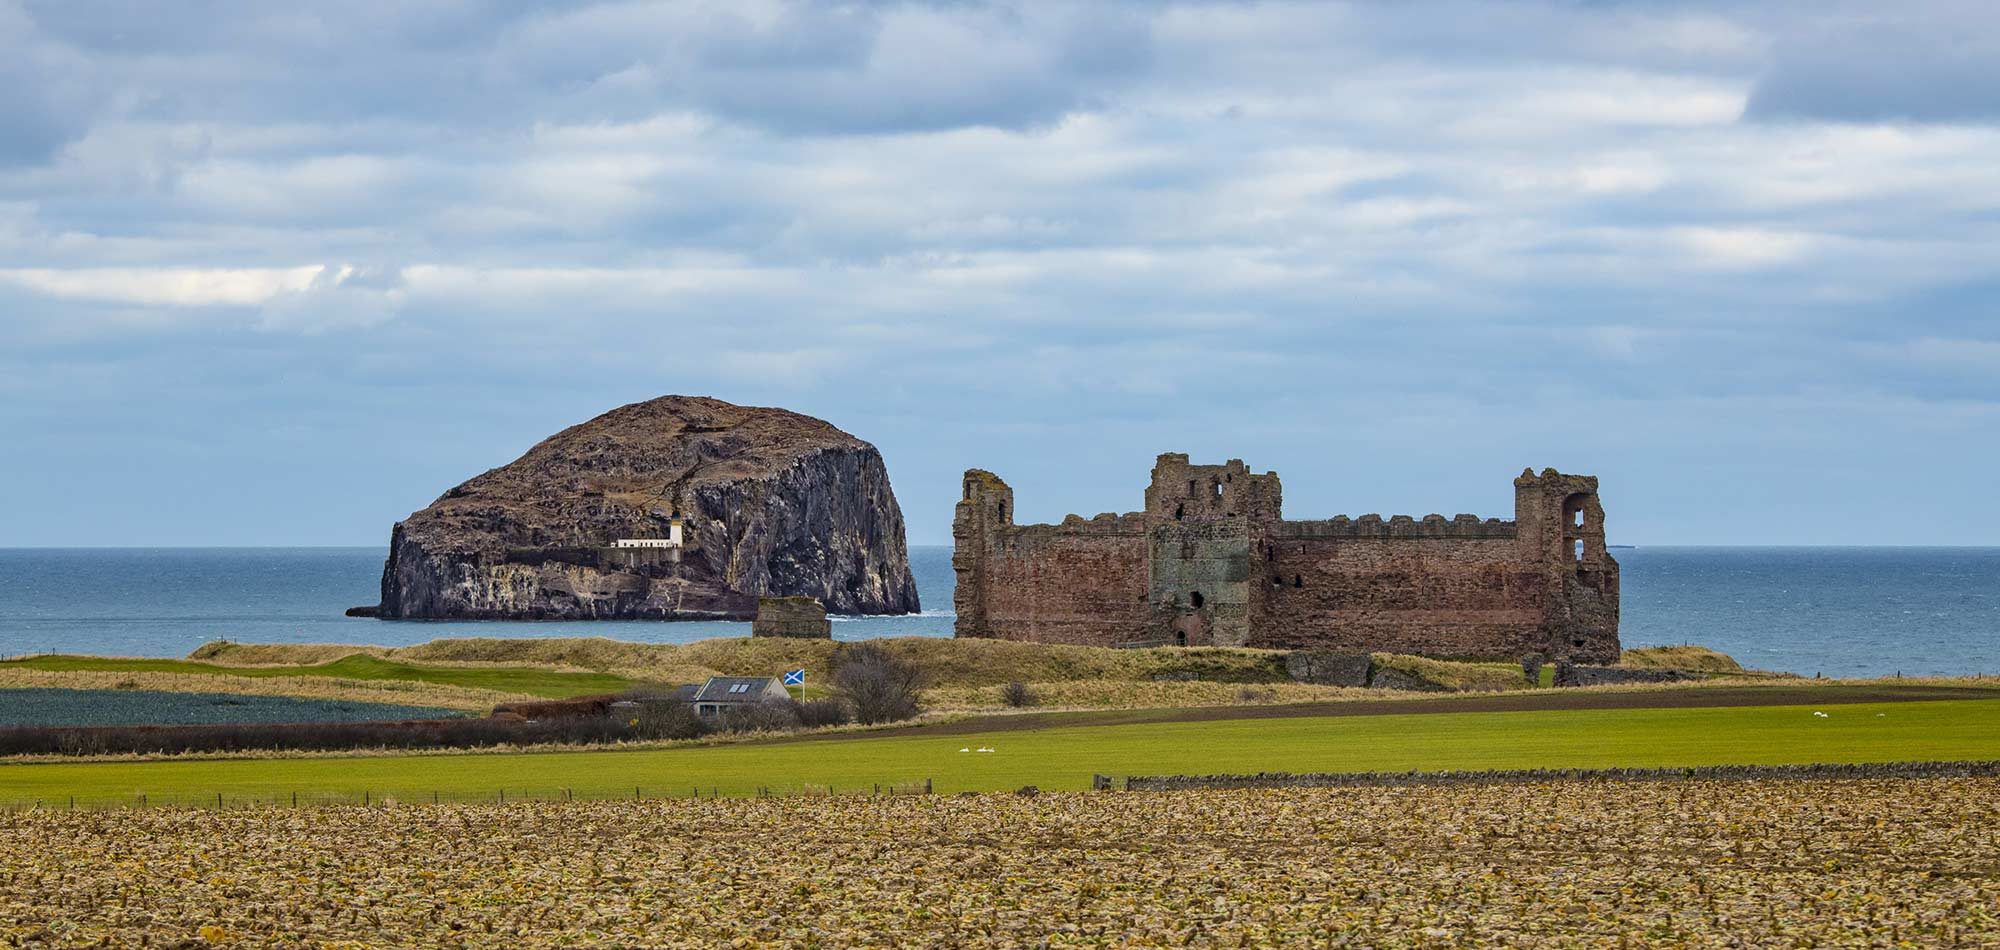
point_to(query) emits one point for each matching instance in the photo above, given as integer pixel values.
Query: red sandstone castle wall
(1439, 596)
(1053, 585)
(1543, 583)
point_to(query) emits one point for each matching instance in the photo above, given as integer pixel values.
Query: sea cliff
(773, 503)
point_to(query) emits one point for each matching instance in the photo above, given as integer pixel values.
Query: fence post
(503, 796)
(927, 786)
(364, 797)
(295, 799)
(218, 799)
(434, 797)
(635, 793)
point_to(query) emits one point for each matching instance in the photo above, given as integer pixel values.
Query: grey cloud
(47, 93)
(1921, 66)
(1296, 232)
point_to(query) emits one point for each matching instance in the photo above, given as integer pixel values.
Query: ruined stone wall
(1058, 584)
(1210, 562)
(1082, 581)
(1436, 596)
(798, 616)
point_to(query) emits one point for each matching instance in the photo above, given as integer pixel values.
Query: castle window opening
(1298, 580)
(1579, 549)
(1190, 488)
(1196, 599)
(1180, 638)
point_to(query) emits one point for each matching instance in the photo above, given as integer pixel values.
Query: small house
(724, 692)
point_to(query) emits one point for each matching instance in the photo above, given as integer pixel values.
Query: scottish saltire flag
(795, 678)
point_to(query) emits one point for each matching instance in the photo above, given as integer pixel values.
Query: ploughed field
(118, 707)
(1565, 864)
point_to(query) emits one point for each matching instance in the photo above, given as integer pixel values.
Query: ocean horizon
(1836, 611)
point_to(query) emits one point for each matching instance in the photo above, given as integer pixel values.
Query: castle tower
(1204, 520)
(1560, 526)
(1180, 491)
(986, 506)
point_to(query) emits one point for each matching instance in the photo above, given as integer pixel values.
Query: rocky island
(681, 507)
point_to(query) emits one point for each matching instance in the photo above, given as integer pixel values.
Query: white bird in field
(965, 750)
(984, 749)
(1819, 714)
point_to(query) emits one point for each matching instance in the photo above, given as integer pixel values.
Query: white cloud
(337, 297)
(1741, 248)
(164, 287)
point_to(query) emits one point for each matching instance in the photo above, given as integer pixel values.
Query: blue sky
(282, 273)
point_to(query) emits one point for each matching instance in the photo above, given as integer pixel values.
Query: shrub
(814, 713)
(777, 716)
(881, 686)
(1016, 694)
(668, 720)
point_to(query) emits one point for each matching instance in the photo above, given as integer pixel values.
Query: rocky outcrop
(775, 504)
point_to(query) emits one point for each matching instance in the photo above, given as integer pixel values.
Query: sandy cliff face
(777, 504)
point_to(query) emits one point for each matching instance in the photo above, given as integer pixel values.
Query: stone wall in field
(798, 616)
(1570, 674)
(1873, 770)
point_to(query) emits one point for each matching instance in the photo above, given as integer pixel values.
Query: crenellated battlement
(1398, 526)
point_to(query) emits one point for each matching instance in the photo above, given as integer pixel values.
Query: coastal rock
(775, 504)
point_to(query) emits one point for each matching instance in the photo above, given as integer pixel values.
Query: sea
(1848, 611)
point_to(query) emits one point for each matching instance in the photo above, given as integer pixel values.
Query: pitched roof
(734, 689)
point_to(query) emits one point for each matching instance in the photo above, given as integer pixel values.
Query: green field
(555, 684)
(1066, 757)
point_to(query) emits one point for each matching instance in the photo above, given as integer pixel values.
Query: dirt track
(1690, 698)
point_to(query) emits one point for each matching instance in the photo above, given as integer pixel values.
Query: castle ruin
(1212, 562)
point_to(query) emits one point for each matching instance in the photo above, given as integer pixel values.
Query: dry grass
(1560, 865)
(1140, 694)
(399, 692)
(1696, 658)
(947, 661)
(1455, 676)
(228, 653)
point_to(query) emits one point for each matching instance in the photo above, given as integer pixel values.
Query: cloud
(47, 92)
(165, 287)
(1929, 62)
(337, 297)
(1058, 235)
